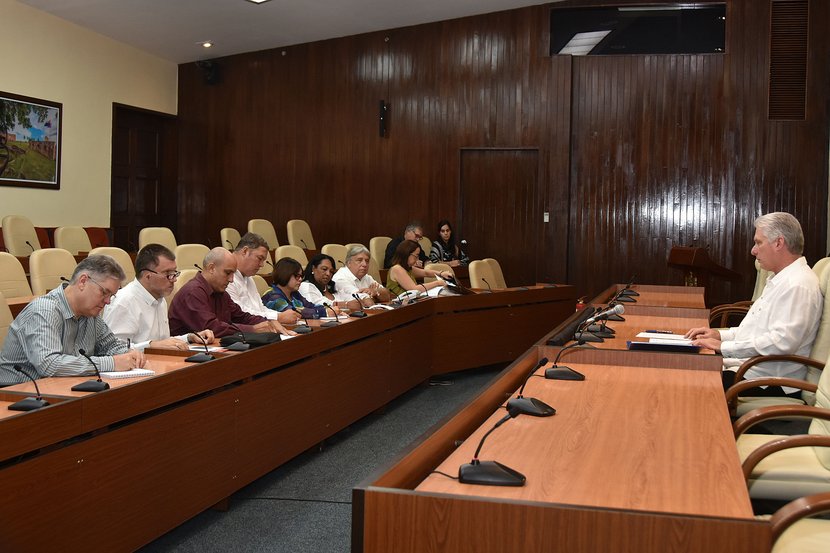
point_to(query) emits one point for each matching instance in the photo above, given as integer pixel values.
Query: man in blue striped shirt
(46, 337)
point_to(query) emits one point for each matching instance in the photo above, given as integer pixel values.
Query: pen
(660, 331)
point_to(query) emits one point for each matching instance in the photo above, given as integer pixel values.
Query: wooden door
(502, 209)
(143, 189)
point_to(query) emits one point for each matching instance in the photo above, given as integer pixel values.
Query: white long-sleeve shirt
(135, 315)
(784, 320)
(244, 293)
(346, 284)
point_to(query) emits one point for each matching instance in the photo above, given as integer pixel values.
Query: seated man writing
(46, 337)
(204, 302)
(354, 278)
(139, 312)
(784, 320)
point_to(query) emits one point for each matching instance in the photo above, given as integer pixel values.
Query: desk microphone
(360, 313)
(303, 243)
(229, 243)
(30, 245)
(627, 291)
(30, 403)
(462, 247)
(564, 373)
(201, 357)
(529, 405)
(601, 330)
(300, 329)
(336, 320)
(91, 385)
(605, 314)
(490, 473)
(489, 290)
(197, 266)
(341, 262)
(242, 345)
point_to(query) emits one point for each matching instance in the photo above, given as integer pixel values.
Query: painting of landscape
(30, 142)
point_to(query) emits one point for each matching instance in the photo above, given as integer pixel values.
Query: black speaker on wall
(211, 71)
(383, 114)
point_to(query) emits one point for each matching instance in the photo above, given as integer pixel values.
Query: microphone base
(626, 299)
(629, 292)
(329, 324)
(357, 314)
(531, 406)
(603, 334)
(587, 337)
(91, 386)
(238, 346)
(28, 404)
(595, 329)
(302, 329)
(489, 473)
(200, 358)
(616, 318)
(563, 373)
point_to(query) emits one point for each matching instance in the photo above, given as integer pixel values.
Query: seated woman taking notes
(402, 274)
(284, 295)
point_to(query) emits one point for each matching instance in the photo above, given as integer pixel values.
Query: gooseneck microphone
(627, 291)
(200, 357)
(30, 403)
(490, 473)
(91, 385)
(242, 345)
(336, 320)
(30, 245)
(605, 314)
(197, 266)
(360, 313)
(564, 373)
(304, 244)
(529, 405)
(300, 329)
(489, 289)
(229, 243)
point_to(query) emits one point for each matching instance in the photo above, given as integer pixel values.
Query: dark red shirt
(198, 307)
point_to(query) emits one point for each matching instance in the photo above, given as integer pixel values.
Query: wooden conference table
(112, 471)
(639, 457)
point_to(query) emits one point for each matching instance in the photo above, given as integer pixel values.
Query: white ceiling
(174, 29)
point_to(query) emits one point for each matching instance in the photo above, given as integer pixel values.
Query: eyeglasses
(171, 276)
(107, 294)
(299, 276)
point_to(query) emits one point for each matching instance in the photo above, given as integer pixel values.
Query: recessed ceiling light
(257, 1)
(206, 44)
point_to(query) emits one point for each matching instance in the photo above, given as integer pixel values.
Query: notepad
(135, 373)
(674, 346)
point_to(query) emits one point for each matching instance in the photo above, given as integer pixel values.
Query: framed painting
(30, 142)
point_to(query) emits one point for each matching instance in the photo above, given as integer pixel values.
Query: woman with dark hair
(284, 295)
(402, 274)
(317, 286)
(444, 249)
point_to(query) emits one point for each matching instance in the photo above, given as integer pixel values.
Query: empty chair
(261, 285)
(72, 239)
(426, 245)
(157, 235)
(264, 228)
(19, 235)
(794, 530)
(495, 267)
(299, 234)
(188, 256)
(13, 282)
(440, 267)
(230, 237)
(268, 267)
(5, 319)
(294, 252)
(183, 279)
(98, 237)
(121, 257)
(377, 248)
(48, 266)
(481, 275)
(337, 252)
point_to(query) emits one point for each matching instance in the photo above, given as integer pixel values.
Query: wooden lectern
(698, 267)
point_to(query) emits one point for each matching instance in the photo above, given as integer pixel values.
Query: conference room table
(639, 457)
(113, 470)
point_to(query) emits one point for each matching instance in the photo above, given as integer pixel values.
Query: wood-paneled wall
(635, 153)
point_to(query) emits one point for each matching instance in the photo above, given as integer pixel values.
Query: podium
(698, 267)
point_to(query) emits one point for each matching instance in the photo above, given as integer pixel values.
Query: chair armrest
(795, 510)
(804, 440)
(776, 412)
(763, 358)
(735, 390)
(724, 311)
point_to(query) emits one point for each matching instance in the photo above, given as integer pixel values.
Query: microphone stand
(335, 322)
(300, 329)
(564, 373)
(489, 289)
(200, 357)
(359, 313)
(91, 385)
(490, 473)
(530, 405)
(582, 335)
(30, 403)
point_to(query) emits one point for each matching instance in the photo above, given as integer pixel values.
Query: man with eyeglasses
(413, 231)
(251, 253)
(47, 336)
(139, 312)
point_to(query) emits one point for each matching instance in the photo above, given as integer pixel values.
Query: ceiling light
(257, 1)
(206, 44)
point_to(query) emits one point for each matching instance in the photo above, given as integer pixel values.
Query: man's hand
(703, 332)
(278, 328)
(708, 343)
(169, 343)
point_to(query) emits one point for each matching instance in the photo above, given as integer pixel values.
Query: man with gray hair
(414, 231)
(47, 337)
(354, 278)
(784, 320)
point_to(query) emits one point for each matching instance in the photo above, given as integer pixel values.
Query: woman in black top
(444, 249)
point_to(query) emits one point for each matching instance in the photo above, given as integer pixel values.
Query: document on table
(135, 373)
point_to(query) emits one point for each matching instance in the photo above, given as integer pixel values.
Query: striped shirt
(45, 338)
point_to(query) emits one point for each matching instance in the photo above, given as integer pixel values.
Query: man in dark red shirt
(203, 302)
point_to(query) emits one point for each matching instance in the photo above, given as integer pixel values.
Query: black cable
(444, 474)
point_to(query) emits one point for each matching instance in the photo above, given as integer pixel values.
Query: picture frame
(30, 142)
